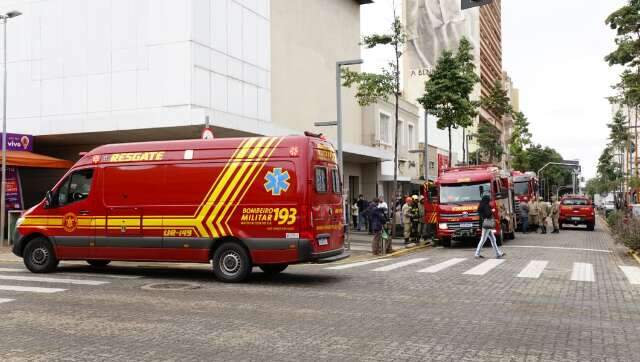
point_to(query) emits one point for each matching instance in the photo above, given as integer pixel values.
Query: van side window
(321, 179)
(75, 188)
(337, 185)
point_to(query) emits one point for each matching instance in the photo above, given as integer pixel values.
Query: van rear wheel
(39, 256)
(98, 263)
(231, 263)
(273, 269)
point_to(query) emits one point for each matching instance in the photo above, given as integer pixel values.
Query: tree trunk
(449, 161)
(464, 147)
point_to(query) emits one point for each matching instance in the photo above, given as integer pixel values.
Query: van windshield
(452, 194)
(521, 188)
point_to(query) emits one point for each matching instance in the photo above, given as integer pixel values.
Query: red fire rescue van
(237, 203)
(459, 191)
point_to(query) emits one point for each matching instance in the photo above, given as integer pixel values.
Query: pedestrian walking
(488, 223)
(362, 206)
(543, 214)
(354, 214)
(376, 224)
(524, 216)
(406, 220)
(370, 209)
(555, 215)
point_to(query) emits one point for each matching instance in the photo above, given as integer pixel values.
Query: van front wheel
(39, 256)
(231, 263)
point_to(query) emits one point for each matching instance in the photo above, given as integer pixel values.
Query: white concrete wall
(98, 65)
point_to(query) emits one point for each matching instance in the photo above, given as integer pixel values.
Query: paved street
(554, 298)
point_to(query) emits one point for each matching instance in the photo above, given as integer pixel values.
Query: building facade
(86, 73)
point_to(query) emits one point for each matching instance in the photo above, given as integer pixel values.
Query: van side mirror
(48, 200)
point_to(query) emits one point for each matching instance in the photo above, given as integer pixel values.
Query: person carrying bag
(488, 224)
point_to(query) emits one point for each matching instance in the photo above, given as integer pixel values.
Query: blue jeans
(361, 222)
(525, 224)
(488, 233)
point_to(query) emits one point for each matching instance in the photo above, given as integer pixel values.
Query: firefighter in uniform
(533, 213)
(415, 219)
(422, 226)
(543, 213)
(555, 215)
(406, 219)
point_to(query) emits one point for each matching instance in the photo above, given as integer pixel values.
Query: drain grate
(171, 286)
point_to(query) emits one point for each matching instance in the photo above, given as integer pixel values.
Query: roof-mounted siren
(315, 135)
(531, 173)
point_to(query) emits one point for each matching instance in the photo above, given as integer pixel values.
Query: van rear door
(326, 200)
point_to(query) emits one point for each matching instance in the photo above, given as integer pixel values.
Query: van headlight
(443, 226)
(19, 221)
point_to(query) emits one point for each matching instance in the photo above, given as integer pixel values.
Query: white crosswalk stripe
(17, 288)
(632, 273)
(400, 264)
(3, 300)
(534, 269)
(485, 267)
(354, 265)
(51, 280)
(442, 266)
(13, 270)
(582, 272)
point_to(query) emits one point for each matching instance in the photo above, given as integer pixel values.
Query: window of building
(411, 135)
(385, 121)
(401, 133)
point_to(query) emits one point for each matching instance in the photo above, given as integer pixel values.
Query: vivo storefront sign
(19, 142)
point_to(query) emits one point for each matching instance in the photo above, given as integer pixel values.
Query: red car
(577, 210)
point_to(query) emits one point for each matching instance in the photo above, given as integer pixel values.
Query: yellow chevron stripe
(215, 183)
(221, 185)
(255, 175)
(233, 201)
(242, 166)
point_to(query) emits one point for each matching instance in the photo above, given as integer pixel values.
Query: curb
(631, 253)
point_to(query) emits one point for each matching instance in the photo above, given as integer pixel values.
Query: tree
(488, 138)
(448, 90)
(497, 102)
(555, 176)
(618, 132)
(520, 140)
(374, 87)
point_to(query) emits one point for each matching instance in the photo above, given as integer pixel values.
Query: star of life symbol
(277, 181)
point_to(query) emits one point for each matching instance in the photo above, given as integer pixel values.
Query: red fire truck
(237, 203)
(459, 191)
(525, 189)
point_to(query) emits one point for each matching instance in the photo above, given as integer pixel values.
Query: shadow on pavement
(202, 275)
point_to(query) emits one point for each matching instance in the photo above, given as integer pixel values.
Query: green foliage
(625, 229)
(608, 167)
(520, 139)
(626, 22)
(538, 157)
(497, 102)
(448, 90)
(371, 87)
(488, 138)
(619, 133)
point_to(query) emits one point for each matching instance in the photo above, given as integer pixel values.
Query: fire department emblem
(277, 181)
(69, 222)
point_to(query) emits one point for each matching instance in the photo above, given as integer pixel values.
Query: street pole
(426, 150)
(339, 109)
(3, 206)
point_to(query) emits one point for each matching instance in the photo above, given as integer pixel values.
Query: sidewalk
(360, 242)
(7, 256)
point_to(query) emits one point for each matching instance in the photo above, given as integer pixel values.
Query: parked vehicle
(459, 191)
(577, 210)
(525, 188)
(237, 202)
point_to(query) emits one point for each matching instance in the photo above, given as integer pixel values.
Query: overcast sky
(553, 51)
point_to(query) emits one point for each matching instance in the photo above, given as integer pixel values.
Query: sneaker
(479, 257)
(501, 256)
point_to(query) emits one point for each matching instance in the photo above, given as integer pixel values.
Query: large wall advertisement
(433, 26)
